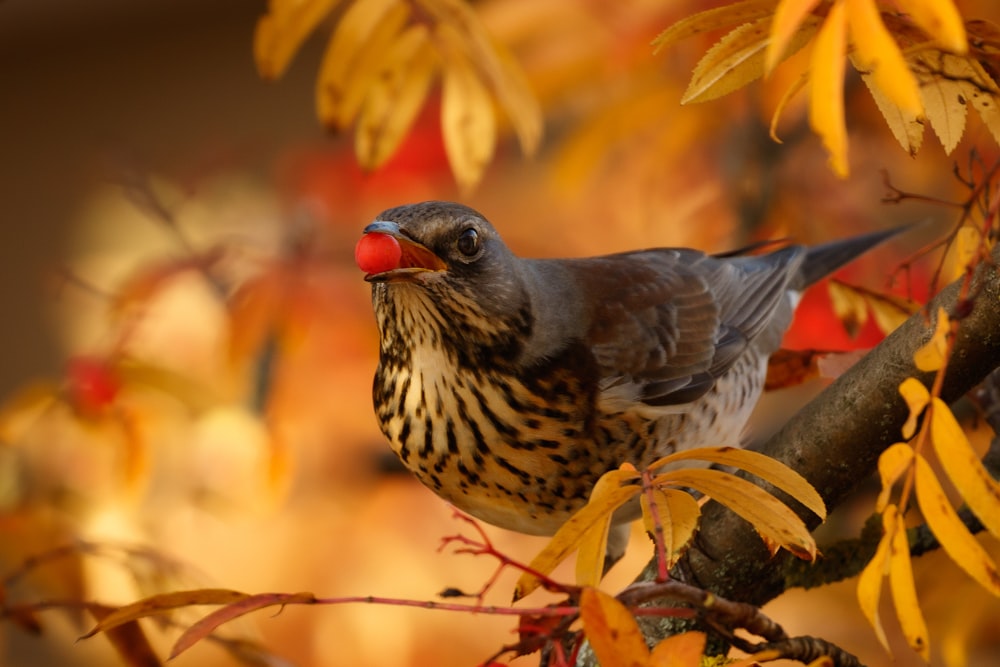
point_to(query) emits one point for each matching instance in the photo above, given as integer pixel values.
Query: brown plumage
(509, 385)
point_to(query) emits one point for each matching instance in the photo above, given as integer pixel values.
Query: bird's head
(446, 255)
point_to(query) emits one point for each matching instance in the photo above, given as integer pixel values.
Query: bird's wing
(667, 323)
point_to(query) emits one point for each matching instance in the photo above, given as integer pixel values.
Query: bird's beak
(415, 258)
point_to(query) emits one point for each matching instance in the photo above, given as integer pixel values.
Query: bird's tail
(824, 259)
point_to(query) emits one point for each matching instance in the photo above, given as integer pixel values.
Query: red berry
(92, 383)
(376, 253)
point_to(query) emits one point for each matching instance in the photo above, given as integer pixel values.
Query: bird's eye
(468, 242)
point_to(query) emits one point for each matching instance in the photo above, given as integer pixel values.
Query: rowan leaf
(826, 87)
(849, 306)
(763, 466)
(591, 553)
(960, 545)
(738, 59)
(468, 122)
(870, 581)
(946, 107)
(788, 17)
(893, 463)
(904, 594)
(128, 640)
(677, 514)
(772, 519)
(879, 56)
(683, 650)
(611, 630)
(906, 127)
(395, 96)
(281, 31)
(917, 397)
(736, 13)
(363, 37)
(234, 610)
(164, 603)
(931, 355)
(963, 249)
(612, 490)
(959, 460)
(942, 21)
(788, 368)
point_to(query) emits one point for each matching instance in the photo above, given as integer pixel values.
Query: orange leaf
(893, 463)
(612, 631)
(163, 603)
(980, 491)
(612, 490)
(826, 89)
(788, 16)
(770, 470)
(941, 21)
(683, 650)
(879, 56)
(870, 581)
(234, 610)
(917, 397)
(960, 545)
(931, 355)
(904, 594)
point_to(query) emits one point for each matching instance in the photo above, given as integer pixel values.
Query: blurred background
(189, 347)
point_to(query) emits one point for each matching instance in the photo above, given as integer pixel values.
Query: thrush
(510, 385)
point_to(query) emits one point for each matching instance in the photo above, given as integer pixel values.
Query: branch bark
(835, 442)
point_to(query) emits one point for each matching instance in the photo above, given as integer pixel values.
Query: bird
(509, 385)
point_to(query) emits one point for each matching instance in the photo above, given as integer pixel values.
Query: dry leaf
(870, 582)
(879, 56)
(683, 650)
(283, 29)
(893, 463)
(736, 13)
(612, 631)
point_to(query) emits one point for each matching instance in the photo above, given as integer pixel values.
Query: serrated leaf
(904, 593)
(164, 603)
(788, 16)
(870, 582)
(732, 14)
(931, 355)
(281, 31)
(906, 127)
(770, 470)
(611, 630)
(395, 97)
(738, 59)
(941, 20)
(979, 490)
(917, 397)
(946, 107)
(468, 122)
(677, 515)
(683, 650)
(612, 490)
(826, 87)
(247, 604)
(880, 56)
(893, 463)
(960, 545)
(357, 50)
(771, 518)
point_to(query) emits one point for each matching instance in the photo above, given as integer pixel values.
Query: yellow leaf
(931, 355)
(893, 463)
(879, 55)
(904, 594)
(870, 581)
(612, 491)
(826, 88)
(281, 31)
(906, 126)
(960, 545)
(941, 21)
(732, 14)
(788, 16)
(468, 122)
(357, 50)
(683, 650)
(591, 554)
(849, 306)
(611, 630)
(738, 59)
(395, 97)
(163, 603)
(772, 471)
(677, 514)
(979, 490)
(917, 397)
(769, 516)
(963, 249)
(946, 106)
(890, 311)
(786, 97)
